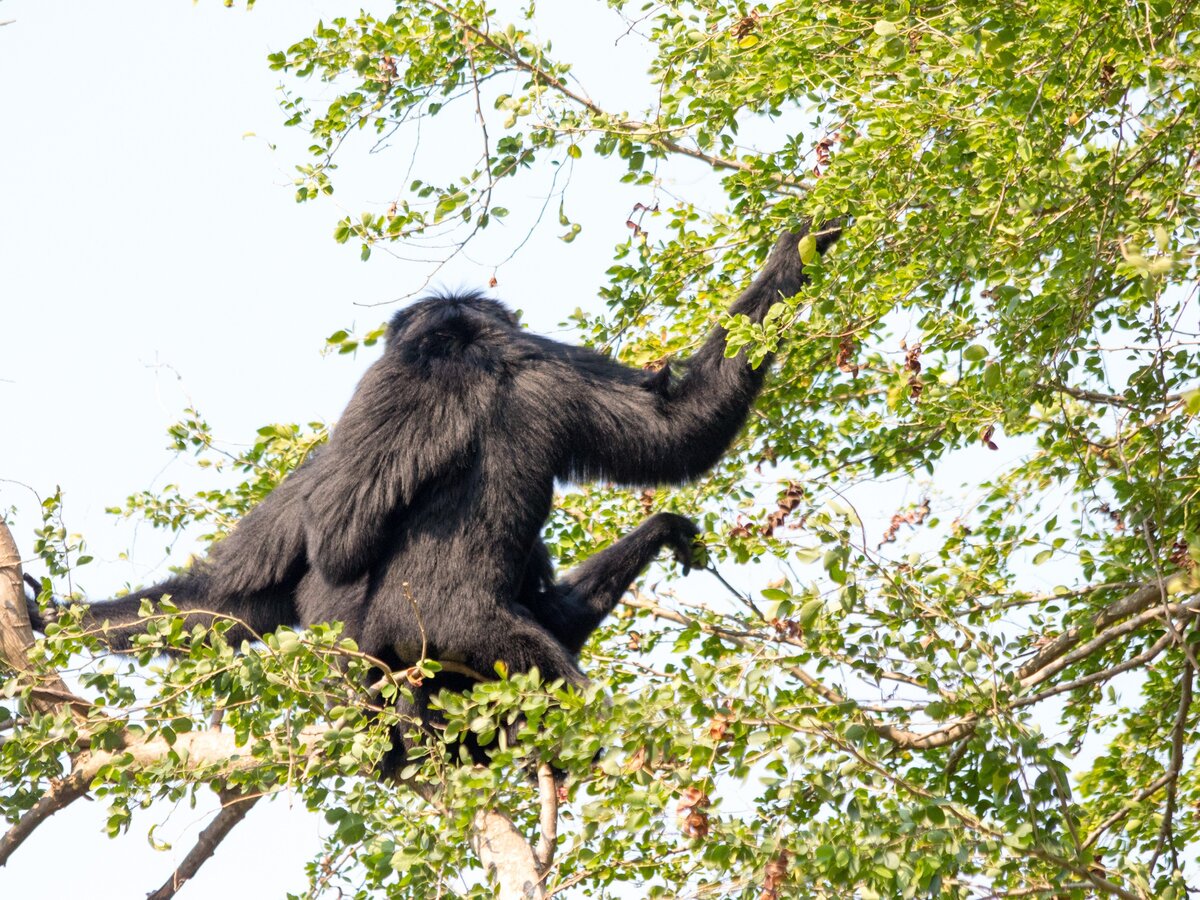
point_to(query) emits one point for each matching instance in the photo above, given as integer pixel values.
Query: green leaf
(808, 249)
(975, 353)
(810, 610)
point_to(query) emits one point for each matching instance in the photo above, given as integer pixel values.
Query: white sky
(151, 256)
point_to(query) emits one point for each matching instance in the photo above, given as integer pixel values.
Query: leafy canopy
(976, 464)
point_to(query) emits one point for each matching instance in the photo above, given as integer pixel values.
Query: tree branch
(1106, 399)
(1101, 676)
(1107, 636)
(16, 635)
(548, 818)
(1127, 606)
(233, 809)
(196, 751)
(1166, 834)
(507, 857)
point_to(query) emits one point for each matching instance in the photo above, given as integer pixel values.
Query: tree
(976, 466)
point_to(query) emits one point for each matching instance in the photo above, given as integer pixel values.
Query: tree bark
(16, 635)
(507, 857)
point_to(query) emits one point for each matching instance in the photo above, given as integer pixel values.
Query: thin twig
(950, 733)
(1166, 834)
(743, 598)
(233, 809)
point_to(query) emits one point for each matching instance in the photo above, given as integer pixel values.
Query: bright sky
(151, 257)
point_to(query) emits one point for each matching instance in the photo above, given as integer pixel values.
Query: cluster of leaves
(278, 449)
(143, 709)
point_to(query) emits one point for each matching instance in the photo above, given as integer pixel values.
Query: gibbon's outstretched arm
(677, 431)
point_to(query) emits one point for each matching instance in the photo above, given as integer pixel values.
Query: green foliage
(276, 451)
(976, 675)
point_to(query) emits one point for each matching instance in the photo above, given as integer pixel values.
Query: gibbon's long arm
(627, 433)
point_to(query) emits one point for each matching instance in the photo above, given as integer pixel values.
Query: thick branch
(233, 810)
(507, 857)
(199, 750)
(1103, 675)
(548, 818)
(1104, 637)
(16, 635)
(1139, 600)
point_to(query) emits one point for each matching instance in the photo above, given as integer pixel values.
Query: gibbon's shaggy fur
(421, 518)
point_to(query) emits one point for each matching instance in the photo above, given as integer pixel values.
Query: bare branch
(233, 809)
(1166, 834)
